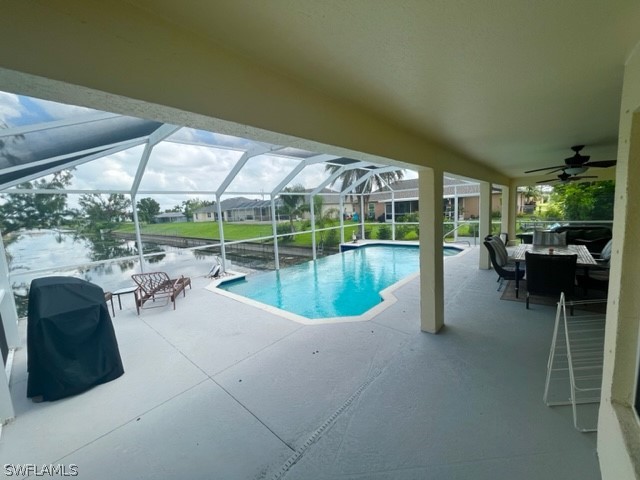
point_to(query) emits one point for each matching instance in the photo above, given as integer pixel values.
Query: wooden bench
(157, 285)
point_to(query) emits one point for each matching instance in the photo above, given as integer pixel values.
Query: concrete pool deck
(220, 389)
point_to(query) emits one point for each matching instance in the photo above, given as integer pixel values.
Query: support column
(617, 424)
(362, 216)
(513, 209)
(485, 222)
(274, 227)
(312, 210)
(341, 219)
(393, 215)
(505, 210)
(456, 212)
(430, 192)
(223, 250)
(136, 224)
(7, 302)
(10, 325)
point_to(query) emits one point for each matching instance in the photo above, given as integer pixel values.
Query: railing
(535, 224)
(473, 226)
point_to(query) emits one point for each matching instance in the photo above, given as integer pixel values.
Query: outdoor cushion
(502, 255)
(605, 254)
(549, 238)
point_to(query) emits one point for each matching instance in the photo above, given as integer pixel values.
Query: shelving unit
(574, 369)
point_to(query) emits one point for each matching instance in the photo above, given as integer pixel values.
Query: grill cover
(71, 344)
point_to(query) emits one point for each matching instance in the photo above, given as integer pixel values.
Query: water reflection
(37, 250)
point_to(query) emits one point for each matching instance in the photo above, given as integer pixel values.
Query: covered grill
(71, 343)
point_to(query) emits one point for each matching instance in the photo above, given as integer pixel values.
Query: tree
(375, 182)
(585, 201)
(147, 209)
(190, 206)
(293, 205)
(31, 210)
(531, 194)
(105, 212)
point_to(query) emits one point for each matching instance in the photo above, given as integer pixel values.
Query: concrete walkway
(219, 389)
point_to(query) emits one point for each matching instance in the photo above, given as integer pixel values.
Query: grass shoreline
(235, 231)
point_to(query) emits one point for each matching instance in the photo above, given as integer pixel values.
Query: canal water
(39, 253)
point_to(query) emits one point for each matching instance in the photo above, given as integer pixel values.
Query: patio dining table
(585, 259)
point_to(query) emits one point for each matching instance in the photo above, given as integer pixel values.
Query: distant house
(169, 217)
(237, 209)
(331, 202)
(405, 196)
(206, 214)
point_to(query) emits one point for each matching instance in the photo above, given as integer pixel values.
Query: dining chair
(500, 260)
(549, 275)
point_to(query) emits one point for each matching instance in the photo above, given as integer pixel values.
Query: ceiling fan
(565, 177)
(576, 164)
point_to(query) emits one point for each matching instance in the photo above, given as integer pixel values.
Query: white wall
(618, 427)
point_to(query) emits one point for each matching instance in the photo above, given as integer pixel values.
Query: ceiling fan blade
(581, 177)
(568, 179)
(576, 164)
(558, 167)
(601, 163)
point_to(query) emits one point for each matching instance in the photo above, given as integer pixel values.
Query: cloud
(10, 108)
(173, 166)
(59, 111)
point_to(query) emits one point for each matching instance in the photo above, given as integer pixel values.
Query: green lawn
(235, 231)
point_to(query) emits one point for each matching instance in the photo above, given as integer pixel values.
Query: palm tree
(377, 181)
(293, 205)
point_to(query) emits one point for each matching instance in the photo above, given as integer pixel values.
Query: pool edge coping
(387, 295)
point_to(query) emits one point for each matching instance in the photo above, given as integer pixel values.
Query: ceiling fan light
(575, 170)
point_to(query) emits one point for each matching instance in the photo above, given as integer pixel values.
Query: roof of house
(170, 215)
(408, 189)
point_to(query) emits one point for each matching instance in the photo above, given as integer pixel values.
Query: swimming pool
(345, 284)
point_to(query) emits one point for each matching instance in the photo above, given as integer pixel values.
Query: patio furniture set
(551, 266)
(555, 268)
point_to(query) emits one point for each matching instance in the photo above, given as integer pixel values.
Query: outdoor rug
(509, 293)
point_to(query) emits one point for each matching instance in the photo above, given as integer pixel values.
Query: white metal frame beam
(38, 127)
(154, 138)
(301, 166)
(57, 168)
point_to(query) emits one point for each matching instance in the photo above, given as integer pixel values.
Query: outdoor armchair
(597, 278)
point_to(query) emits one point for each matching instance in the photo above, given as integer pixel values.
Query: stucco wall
(618, 427)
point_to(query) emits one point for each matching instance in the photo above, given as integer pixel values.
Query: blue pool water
(339, 285)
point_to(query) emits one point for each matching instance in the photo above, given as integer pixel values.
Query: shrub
(331, 239)
(384, 232)
(409, 217)
(402, 231)
(411, 236)
(283, 229)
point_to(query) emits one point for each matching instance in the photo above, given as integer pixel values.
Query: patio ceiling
(509, 84)
(505, 85)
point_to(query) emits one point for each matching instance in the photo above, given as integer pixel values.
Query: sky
(173, 165)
